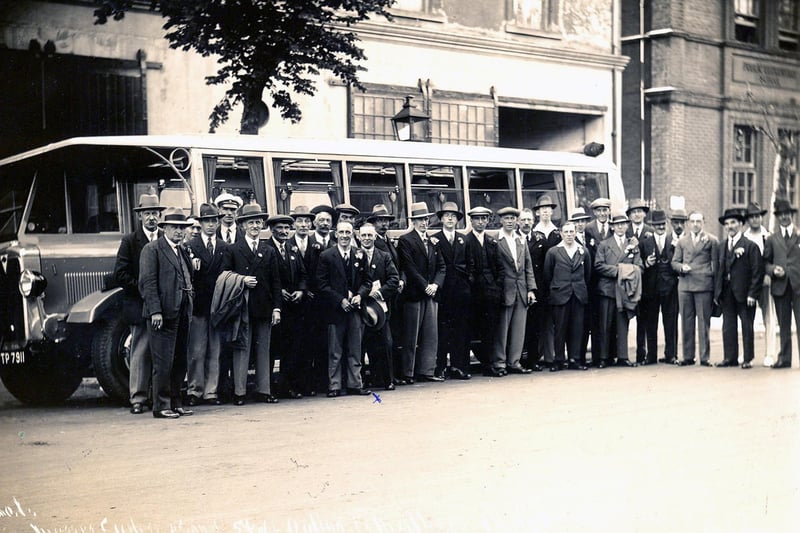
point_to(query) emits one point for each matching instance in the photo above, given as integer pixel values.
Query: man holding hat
(455, 296)
(294, 283)
(126, 275)
(424, 270)
(165, 283)
(258, 262)
(782, 258)
(741, 276)
(228, 205)
(517, 285)
(209, 254)
(580, 219)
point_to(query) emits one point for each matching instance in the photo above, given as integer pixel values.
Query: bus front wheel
(47, 375)
(111, 348)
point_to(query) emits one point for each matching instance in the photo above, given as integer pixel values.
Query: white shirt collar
(342, 251)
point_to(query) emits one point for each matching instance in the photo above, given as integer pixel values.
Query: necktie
(302, 243)
(786, 233)
(282, 249)
(228, 237)
(255, 246)
(605, 230)
(425, 244)
(638, 232)
(730, 244)
(450, 238)
(210, 247)
(152, 236)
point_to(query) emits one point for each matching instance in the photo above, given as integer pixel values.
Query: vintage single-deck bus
(64, 208)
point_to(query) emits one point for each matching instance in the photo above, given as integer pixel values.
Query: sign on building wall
(765, 73)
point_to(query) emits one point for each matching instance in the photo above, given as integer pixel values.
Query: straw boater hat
(619, 218)
(379, 211)
(279, 219)
(578, 215)
(544, 201)
(508, 211)
(679, 214)
(600, 202)
(732, 212)
(450, 207)
(755, 209)
(149, 202)
(174, 217)
(227, 198)
(419, 210)
(251, 211)
(658, 216)
(783, 206)
(480, 211)
(208, 211)
(637, 203)
(301, 211)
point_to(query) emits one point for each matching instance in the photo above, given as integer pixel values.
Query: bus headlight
(31, 284)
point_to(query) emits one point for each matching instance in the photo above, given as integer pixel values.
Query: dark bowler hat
(754, 208)
(279, 219)
(322, 208)
(600, 202)
(480, 211)
(732, 212)
(450, 207)
(301, 211)
(372, 313)
(419, 210)
(208, 211)
(545, 201)
(658, 216)
(508, 211)
(783, 206)
(251, 211)
(347, 208)
(679, 214)
(578, 215)
(379, 211)
(174, 216)
(149, 202)
(619, 218)
(637, 203)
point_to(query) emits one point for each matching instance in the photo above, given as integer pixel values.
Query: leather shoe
(213, 401)
(359, 392)
(390, 386)
(518, 370)
(536, 367)
(267, 398)
(725, 363)
(137, 409)
(574, 365)
(747, 365)
(430, 379)
(624, 362)
(193, 400)
(238, 400)
(294, 394)
(183, 412)
(705, 363)
(399, 382)
(457, 373)
(333, 393)
(555, 367)
(668, 361)
(409, 380)
(781, 364)
(495, 372)
(166, 413)
(686, 362)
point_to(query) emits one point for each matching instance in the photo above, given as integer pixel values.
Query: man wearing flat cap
(126, 275)
(228, 206)
(782, 263)
(209, 254)
(596, 232)
(455, 296)
(741, 275)
(165, 283)
(424, 270)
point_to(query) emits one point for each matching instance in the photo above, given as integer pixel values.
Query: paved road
(649, 449)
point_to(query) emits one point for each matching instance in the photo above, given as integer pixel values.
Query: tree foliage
(278, 45)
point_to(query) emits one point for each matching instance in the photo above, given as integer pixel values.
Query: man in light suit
(696, 261)
(517, 284)
(165, 283)
(782, 259)
(612, 254)
(258, 262)
(741, 274)
(126, 276)
(567, 270)
(424, 270)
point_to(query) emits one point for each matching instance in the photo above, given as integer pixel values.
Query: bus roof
(331, 147)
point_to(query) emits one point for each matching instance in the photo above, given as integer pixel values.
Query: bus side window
(48, 212)
(537, 183)
(307, 182)
(492, 188)
(435, 185)
(239, 176)
(588, 187)
(378, 183)
(92, 203)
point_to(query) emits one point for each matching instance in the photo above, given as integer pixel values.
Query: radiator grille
(81, 284)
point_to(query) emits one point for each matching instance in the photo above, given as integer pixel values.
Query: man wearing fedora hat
(228, 205)
(741, 276)
(455, 296)
(581, 219)
(258, 262)
(696, 261)
(782, 263)
(126, 275)
(424, 270)
(209, 254)
(643, 233)
(165, 283)
(294, 283)
(756, 232)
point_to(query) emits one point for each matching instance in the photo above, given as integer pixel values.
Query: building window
(422, 6)
(472, 123)
(788, 26)
(744, 168)
(371, 115)
(747, 20)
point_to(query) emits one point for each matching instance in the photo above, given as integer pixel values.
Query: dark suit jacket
(266, 295)
(239, 234)
(126, 274)
(608, 256)
(483, 267)
(205, 279)
(704, 260)
(565, 276)
(594, 237)
(455, 291)
(512, 281)
(292, 269)
(335, 283)
(381, 268)
(742, 272)
(786, 254)
(162, 283)
(313, 250)
(420, 268)
(537, 247)
(646, 228)
(658, 279)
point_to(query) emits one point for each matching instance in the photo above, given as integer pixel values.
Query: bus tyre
(47, 376)
(110, 357)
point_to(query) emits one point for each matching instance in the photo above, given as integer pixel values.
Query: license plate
(12, 358)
